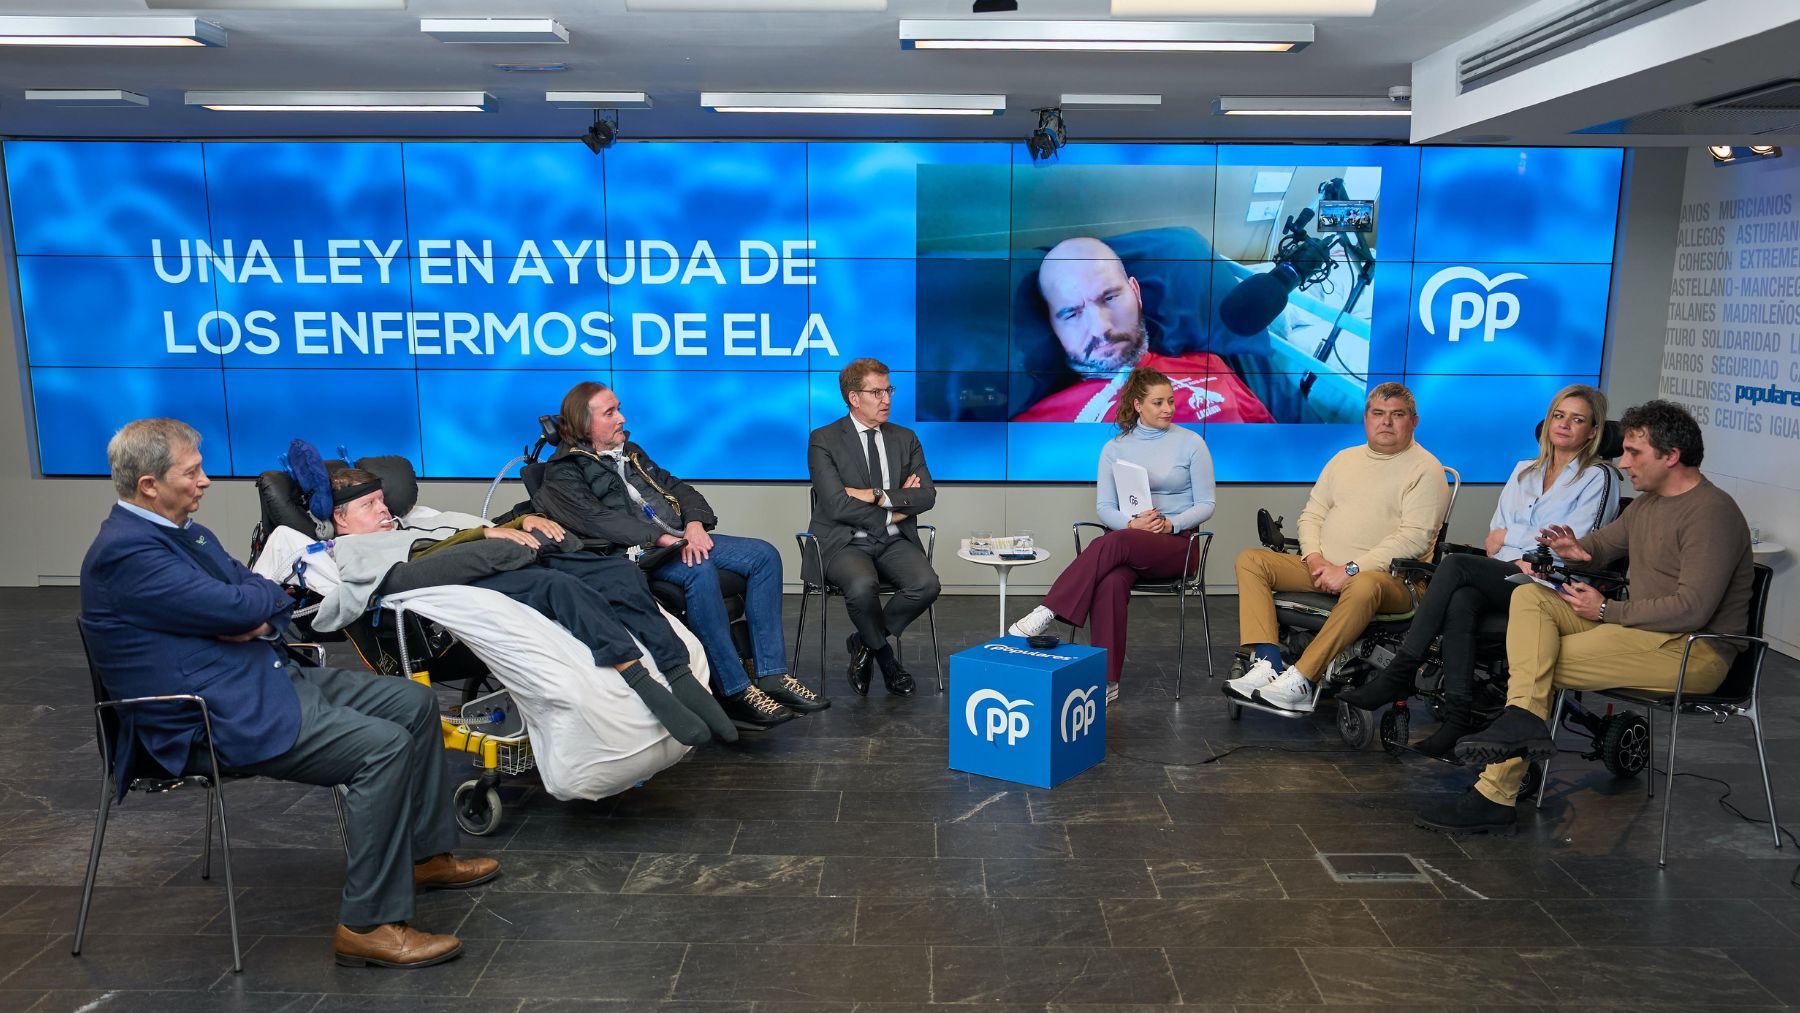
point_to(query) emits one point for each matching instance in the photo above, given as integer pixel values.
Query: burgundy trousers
(1095, 589)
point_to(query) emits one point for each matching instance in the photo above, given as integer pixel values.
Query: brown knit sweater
(1690, 562)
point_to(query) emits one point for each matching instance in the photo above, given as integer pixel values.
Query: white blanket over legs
(591, 734)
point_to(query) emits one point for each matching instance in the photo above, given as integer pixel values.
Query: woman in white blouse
(1566, 483)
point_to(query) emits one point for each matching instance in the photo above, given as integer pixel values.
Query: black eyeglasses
(880, 392)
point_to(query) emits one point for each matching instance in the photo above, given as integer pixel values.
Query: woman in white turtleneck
(1150, 545)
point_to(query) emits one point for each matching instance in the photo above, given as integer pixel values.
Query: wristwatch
(1351, 569)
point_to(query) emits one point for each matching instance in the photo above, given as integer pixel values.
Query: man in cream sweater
(1372, 504)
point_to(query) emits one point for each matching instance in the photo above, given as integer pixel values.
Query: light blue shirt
(1573, 499)
(152, 516)
(1181, 475)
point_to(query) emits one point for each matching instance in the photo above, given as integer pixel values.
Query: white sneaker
(1291, 692)
(1256, 677)
(1112, 692)
(1033, 623)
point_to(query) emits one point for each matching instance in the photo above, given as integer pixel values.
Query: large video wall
(433, 299)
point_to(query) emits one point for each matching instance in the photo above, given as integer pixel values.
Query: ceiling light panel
(834, 103)
(343, 101)
(129, 32)
(760, 6)
(1099, 101)
(277, 5)
(1310, 105)
(1242, 8)
(86, 98)
(495, 31)
(598, 99)
(1105, 36)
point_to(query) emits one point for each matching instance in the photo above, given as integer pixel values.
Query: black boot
(1516, 732)
(1459, 722)
(754, 710)
(1468, 813)
(1392, 683)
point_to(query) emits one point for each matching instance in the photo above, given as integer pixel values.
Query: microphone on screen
(1300, 260)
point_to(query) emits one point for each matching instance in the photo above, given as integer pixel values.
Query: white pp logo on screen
(1488, 310)
(1078, 713)
(1003, 717)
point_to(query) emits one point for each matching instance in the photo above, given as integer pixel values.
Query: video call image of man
(602, 602)
(869, 484)
(1104, 322)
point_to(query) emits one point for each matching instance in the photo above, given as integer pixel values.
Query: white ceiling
(676, 56)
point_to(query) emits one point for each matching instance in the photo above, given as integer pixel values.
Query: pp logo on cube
(1037, 717)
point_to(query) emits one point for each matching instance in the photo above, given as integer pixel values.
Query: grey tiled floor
(835, 864)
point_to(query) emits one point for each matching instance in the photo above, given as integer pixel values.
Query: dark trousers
(378, 736)
(858, 570)
(1096, 586)
(603, 601)
(1463, 589)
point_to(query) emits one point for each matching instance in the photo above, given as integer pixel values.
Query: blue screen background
(125, 317)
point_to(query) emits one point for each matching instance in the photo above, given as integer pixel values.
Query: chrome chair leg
(800, 634)
(206, 841)
(937, 660)
(824, 621)
(1768, 792)
(1180, 636)
(1662, 847)
(1650, 748)
(237, 952)
(1555, 723)
(93, 869)
(1206, 619)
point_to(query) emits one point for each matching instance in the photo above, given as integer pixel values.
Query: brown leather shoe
(395, 944)
(448, 872)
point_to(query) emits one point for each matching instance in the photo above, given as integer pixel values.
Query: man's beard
(1119, 352)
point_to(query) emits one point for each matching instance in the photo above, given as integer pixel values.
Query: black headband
(341, 496)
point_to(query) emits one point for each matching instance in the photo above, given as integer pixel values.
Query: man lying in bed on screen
(603, 603)
(1103, 323)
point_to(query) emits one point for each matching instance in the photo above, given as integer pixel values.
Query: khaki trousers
(1262, 572)
(1549, 647)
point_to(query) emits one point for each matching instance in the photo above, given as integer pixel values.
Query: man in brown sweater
(1373, 503)
(1690, 571)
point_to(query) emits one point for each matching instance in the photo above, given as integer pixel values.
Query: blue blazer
(151, 610)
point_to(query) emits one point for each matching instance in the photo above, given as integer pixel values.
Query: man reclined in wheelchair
(602, 601)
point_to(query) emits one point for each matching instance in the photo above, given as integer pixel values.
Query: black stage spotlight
(996, 6)
(1048, 138)
(601, 135)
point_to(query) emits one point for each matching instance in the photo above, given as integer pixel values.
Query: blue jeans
(760, 565)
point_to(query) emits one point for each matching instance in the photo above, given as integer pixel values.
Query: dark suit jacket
(836, 458)
(151, 611)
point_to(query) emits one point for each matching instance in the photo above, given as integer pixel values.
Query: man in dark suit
(869, 484)
(165, 610)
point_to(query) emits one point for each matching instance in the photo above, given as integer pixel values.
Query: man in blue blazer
(869, 484)
(166, 610)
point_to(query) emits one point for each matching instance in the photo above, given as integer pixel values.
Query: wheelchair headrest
(550, 426)
(282, 503)
(1612, 438)
(399, 482)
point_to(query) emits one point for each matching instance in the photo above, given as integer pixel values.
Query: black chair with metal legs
(1737, 696)
(809, 542)
(106, 727)
(1199, 544)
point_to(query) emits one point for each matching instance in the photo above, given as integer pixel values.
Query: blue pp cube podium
(1020, 714)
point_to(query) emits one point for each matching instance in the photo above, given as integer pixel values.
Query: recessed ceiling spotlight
(1731, 154)
(1106, 36)
(495, 31)
(531, 68)
(1719, 151)
(86, 98)
(342, 101)
(129, 32)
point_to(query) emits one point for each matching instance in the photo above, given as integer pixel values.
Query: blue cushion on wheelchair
(308, 471)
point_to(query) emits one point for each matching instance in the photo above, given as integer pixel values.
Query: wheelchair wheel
(1396, 729)
(1357, 726)
(1625, 744)
(477, 808)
